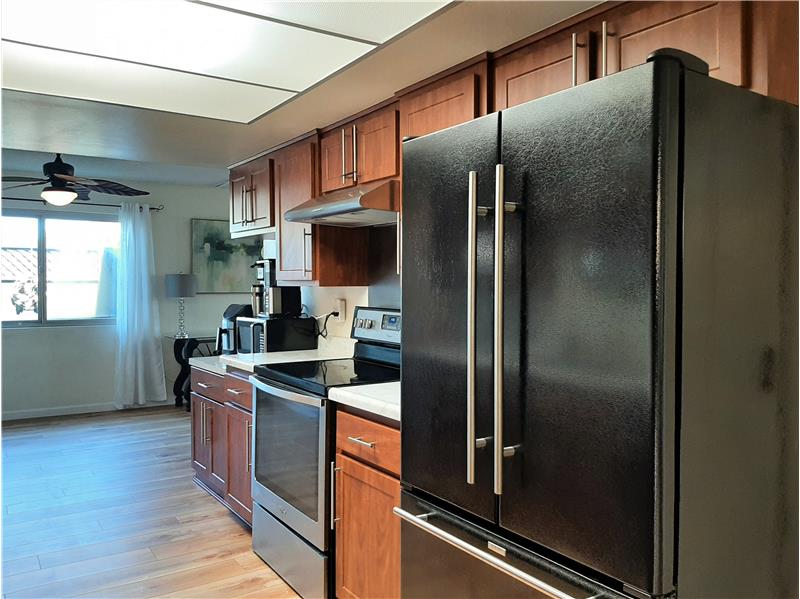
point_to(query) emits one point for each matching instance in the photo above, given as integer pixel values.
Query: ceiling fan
(64, 187)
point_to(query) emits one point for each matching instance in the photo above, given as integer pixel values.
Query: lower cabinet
(240, 462)
(221, 442)
(367, 531)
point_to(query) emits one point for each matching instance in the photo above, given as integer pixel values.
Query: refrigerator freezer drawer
(297, 562)
(444, 557)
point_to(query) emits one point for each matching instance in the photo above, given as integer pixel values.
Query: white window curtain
(140, 364)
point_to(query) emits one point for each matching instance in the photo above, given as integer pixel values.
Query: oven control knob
(368, 324)
(359, 323)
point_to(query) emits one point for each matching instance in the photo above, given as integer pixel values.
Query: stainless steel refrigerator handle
(499, 221)
(472, 251)
(344, 168)
(574, 59)
(604, 52)
(486, 558)
(355, 155)
(399, 233)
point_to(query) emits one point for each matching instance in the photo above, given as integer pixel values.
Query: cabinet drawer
(238, 391)
(369, 441)
(208, 384)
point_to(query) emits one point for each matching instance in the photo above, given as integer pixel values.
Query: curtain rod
(158, 208)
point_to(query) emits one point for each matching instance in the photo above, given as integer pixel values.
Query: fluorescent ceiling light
(56, 73)
(58, 196)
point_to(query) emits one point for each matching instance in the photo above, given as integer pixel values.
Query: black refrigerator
(599, 363)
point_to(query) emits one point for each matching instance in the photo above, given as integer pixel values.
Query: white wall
(60, 370)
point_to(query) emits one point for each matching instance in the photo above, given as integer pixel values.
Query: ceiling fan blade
(31, 179)
(32, 184)
(78, 180)
(83, 193)
(113, 188)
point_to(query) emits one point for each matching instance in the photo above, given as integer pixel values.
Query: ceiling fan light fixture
(58, 197)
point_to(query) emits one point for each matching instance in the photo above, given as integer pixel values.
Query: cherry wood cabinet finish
(238, 181)
(452, 100)
(238, 391)
(217, 431)
(208, 384)
(712, 31)
(385, 450)
(541, 68)
(772, 48)
(251, 196)
(201, 451)
(377, 145)
(367, 532)
(294, 184)
(239, 434)
(332, 162)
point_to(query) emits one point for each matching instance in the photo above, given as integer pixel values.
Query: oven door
(290, 458)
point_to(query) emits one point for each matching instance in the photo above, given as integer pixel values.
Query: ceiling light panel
(376, 21)
(53, 72)
(184, 36)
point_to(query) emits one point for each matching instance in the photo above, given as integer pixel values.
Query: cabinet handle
(249, 447)
(235, 391)
(574, 59)
(252, 193)
(604, 50)
(306, 234)
(203, 423)
(344, 168)
(399, 242)
(355, 155)
(360, 441)
(207, 438)
(333, 517)
(241, 204)
(203, 385)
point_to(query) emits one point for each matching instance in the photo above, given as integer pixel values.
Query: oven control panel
(377, 324)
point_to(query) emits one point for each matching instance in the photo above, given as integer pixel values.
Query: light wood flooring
(104, 505)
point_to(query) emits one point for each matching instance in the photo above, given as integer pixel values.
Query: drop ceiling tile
(182, 35)
(376, 21)
(52, 72)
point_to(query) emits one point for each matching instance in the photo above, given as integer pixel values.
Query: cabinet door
(240, 426)
(540, 69)
(294, 184)
(260, 194)
(217, 431)
(441, 104)
(367, 532)
(239, 181)
(336, 156)
(201, 450)
(712, 31)
(377, 144)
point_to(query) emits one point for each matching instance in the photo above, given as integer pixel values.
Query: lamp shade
(180, 285)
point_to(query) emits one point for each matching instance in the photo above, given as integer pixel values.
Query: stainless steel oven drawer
(297, 562)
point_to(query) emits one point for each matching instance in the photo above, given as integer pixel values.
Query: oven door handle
(309, 400)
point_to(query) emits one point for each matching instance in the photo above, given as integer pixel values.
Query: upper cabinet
(312, 254)
(451, 100)
(541, 68)
(251, 198)
(370, 143)
(712, 31)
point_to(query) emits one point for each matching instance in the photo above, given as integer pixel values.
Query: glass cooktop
(320, 375)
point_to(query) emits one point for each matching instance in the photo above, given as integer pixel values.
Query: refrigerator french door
(536, 388)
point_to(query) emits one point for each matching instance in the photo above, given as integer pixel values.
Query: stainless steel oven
(291, 480)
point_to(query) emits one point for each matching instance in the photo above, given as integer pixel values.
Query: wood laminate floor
(103, 505)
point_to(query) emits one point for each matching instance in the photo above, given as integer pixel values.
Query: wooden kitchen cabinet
(313, 254)
(251, 198)
(336, 158)
(712, 31)
(541, 68)
(367, 532)
(454, 99)
(239, 437)
(377, 145)
(210, 443)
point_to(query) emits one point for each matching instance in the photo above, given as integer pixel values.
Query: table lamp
(180, 286)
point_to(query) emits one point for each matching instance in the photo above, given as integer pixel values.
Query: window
(58, 268)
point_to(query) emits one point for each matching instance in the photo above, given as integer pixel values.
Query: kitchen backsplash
(322, 300)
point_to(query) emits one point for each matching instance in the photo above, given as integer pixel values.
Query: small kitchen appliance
(293, 450)
(275, 333)
(226, 334)
(269, 299)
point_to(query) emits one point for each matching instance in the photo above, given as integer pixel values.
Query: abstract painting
(222, 264)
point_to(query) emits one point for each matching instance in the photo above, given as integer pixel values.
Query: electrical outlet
(341, 308)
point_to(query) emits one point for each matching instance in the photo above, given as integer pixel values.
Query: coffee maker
(226, 335)
(270, 301)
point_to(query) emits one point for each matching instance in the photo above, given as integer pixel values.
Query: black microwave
(259, 335)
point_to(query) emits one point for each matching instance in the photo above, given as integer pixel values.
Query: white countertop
(209, 363)
(382, 399)
(333, 348)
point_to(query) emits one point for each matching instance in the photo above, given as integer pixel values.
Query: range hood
(362, 206)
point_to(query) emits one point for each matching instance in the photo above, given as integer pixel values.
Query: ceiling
(211, 83)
